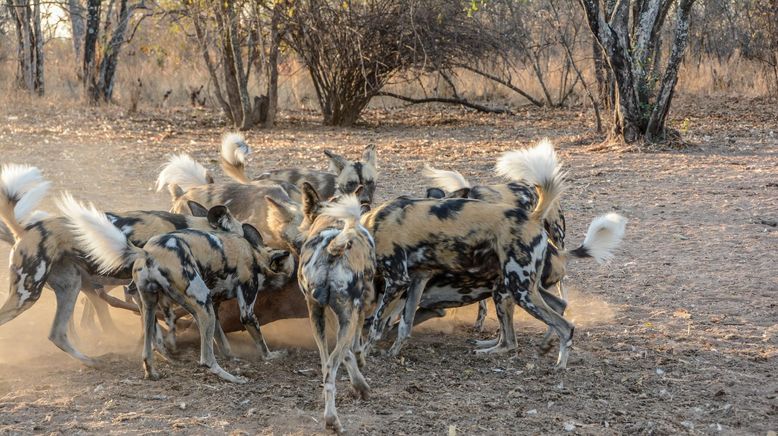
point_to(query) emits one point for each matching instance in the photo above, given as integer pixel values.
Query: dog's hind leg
(409, 311)
(149, 299)
(348, 318)
(206, 321)
(318, 319)
(225, 350)
(65, 279)
(506, 341)
(99, 306)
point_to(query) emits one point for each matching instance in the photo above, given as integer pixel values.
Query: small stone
(660, 371)
(569, 426)
(532, 412)
(182, 405)
(688, 424)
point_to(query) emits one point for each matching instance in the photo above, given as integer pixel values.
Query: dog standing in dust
(337, 265)
(417, 239)
(189, 267)
(343, 177)
(45, 252)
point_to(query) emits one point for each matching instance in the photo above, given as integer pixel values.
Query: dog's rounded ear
(459, 193)
(252, 235)
(216, 216)
(436, 193)
(197, 209)
(277, 260)
(369, 155)
(311, 202)
(337, 162)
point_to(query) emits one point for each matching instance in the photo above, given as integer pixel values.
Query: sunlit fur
(182, 171)
(193, 268)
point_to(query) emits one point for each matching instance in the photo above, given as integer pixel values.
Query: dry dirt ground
(678, 334)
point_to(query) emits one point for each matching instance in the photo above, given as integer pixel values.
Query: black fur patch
(448, 209)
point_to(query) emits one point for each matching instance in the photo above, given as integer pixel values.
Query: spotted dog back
(344, 176)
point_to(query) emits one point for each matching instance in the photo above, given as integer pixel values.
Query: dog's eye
(350, 187)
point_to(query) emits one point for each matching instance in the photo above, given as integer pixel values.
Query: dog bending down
(192, 268)
(337, 265)
(186, 181)
(344, 176)
(417, 239)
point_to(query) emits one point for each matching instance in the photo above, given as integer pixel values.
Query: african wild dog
(417, 239)
(343, 177)
(337, 265)
(193, 268)
(518, 192)
(45, 252)
(187, 181)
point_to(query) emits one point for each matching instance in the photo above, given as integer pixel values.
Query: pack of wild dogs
(377, 268)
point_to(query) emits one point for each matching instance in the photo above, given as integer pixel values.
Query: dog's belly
(454, 290)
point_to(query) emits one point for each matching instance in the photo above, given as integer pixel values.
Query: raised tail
(604, 235)
(539, 166)
(105, 244)
(234, 152)
(346, 209)
(182, 173)
(22, 187)
(449, 181)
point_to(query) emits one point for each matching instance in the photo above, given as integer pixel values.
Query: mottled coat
(193, 268)
(343, 177)
(337, 267)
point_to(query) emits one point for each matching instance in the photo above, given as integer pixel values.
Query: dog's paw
(152, 375)
(272, 355)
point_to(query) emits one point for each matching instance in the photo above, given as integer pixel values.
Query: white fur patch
(183, 171)
(198, 290)
(604, 235)
(449, 181)
(216, 241)
(21, 291)
(171, 243)
(40, 271)
(234, 149)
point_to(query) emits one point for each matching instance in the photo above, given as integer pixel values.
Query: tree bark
(272, 65)
(75, 13)
(110, 56)
(37, 48)
(90, 49)
(655, 129)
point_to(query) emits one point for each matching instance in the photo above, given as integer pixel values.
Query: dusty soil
(678, 334)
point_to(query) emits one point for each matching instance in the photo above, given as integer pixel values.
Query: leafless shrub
(352, 49)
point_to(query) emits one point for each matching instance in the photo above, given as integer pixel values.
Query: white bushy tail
(603, 237)
(448, 181)
(347, 208)
(234, 153)
(103, 242)
(183, 171)
(538, 165)
(22, 187)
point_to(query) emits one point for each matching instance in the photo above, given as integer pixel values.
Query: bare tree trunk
(27, 22)
(111, 52)
(240, 76)
(272, 65)
(655, 128)
(203, 41)
(75, 13)
(628, 54)
(90, 49)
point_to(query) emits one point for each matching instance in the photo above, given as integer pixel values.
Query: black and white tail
(448, 181)
(603, 237)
